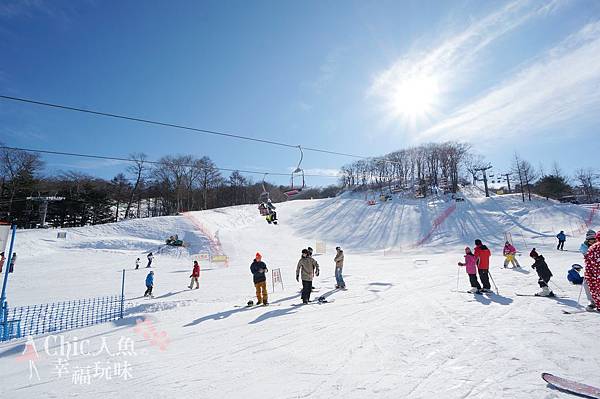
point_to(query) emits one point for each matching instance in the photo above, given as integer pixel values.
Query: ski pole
(557, 286)
(457, 277)
(580, 291)
(493, 282)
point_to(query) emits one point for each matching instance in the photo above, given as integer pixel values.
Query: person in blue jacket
(562, 237)
(573, 276)
(149, 284)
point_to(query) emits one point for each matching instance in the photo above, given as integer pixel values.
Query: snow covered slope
(401, 329)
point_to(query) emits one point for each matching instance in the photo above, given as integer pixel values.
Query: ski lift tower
(43, 201)
(485, 182)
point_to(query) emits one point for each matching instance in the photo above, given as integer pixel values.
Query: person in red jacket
(482, 253)
(195, 275)
(592, 272)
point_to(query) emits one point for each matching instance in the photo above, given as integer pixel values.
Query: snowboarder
(562, 237)
(592, 272)
(195, 275)
(149, 284)
(510, 253)
(137, 263)
(544, 273)
(150, 257)
(471, 266)
(573, 275)
(590, 239)
(482, 254)
(258, 268)
(307, 266)
(339, 265)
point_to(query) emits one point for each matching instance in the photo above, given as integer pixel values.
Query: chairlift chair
(299, 172)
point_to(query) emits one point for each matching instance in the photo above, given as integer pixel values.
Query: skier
(310, 253)
(592, 273)
(149, 284)
(544, 273)
(150, 257)
(573, 275)
(590, 239)
(195, 275)
(137, 263)
(482, 254)
(561, 240)
(307, 266)
(13, 260)
(258, 268)
(339, 265)
(471, 265)
(510, 253)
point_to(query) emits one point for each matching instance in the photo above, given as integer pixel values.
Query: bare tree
(137, 170)
(587, 179)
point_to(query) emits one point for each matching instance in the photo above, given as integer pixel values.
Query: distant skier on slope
(471, 267)
(592, 272)
(306, 268)
(339, 265)
(150, 258)
(195, 276)
(137, 263)
(590, 239)
(149, 284)
(258, 268)
(510, 253)
(544, 273)
(562, 237)
(482, 254)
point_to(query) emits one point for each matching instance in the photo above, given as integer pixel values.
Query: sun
(413, 99)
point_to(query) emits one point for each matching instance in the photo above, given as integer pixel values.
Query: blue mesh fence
(59, 316)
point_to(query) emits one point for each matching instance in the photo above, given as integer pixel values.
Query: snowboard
(570, 386)
(539, 296)
(314, 302)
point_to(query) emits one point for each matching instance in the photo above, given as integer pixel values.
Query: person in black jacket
(544, 273)
(258, 269)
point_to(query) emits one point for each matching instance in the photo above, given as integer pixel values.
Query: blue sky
(360, 77)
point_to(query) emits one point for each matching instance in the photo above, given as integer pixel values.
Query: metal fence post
(3, 303)
(122, 293)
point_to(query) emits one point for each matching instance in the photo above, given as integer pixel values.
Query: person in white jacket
(339, 265)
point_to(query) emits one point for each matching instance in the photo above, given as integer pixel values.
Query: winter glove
(317, 272)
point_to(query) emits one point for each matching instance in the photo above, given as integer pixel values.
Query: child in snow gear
(306, 267)
(195, 275)
(339, 265)
(573, 275)
(471, 266)
(137, 263)
(561, 240)
(482, 254)
(510, 253)
(544, 273)
(149, 284)
(258, 268)
(592, 272)
(150, 257)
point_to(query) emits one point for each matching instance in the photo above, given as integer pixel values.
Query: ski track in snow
(398, 331)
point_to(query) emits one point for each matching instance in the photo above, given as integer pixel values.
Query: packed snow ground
(400, 330)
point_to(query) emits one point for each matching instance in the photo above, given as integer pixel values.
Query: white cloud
(449, 60)
(559, 86)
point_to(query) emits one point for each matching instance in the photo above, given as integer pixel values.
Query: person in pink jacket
(510, 254)
(471, 266)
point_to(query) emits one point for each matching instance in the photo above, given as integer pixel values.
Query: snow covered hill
(401, 329)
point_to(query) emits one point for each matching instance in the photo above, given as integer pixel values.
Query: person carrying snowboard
(306, 269)
(195, 275)
(137, 263)
(258, 268)
(482, 254)
(149, 284)
(339, 265)
(471, 266)
(562, 237)
(592, 273)
(150, 258)
(510, 253)
(544, 273)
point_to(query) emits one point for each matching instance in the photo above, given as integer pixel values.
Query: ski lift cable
(73, 154)
(177, 126)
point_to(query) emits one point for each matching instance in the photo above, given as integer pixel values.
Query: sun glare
(414, 99)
